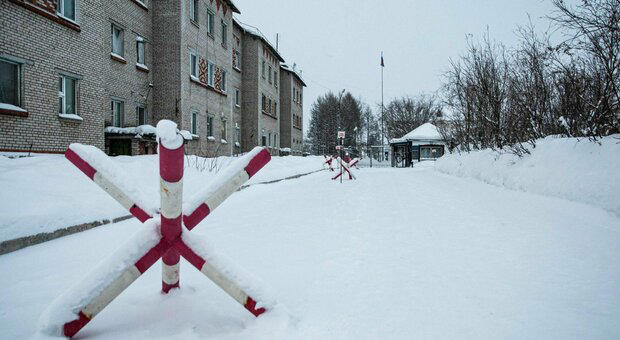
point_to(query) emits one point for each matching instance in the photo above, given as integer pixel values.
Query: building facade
(292, 117)
(103, 73)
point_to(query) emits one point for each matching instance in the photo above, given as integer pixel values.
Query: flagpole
(382, 126)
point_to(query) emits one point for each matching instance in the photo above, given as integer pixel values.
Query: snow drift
(575, 169)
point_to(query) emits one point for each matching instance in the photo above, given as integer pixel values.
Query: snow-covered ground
(576, 169)
(46, 192)
(396, 254)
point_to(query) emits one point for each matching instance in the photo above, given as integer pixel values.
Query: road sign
(338, 147)
(341, 134)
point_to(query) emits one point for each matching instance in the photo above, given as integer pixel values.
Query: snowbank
(576, 169)
(46, 192)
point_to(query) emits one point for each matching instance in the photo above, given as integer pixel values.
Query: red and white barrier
(330, 162)
(95, 164)
(162, 236)
(344, 169)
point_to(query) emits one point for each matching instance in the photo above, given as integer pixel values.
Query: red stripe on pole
(171, 257)
(170, 228)
(171, 164)
(138, 213)
(80, 163)
(166, 287)
(196, 216)
(71, 328)
(258, 162)
(250, 305)
(189, 254)
(146, 261)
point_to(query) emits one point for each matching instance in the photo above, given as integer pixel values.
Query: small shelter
(422, 144)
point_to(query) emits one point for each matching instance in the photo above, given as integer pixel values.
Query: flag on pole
(382, 64)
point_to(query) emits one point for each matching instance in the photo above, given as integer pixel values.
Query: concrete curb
(9, 246)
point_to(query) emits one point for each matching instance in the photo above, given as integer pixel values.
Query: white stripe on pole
(171, 204)
(227, 189)
(227, 285)
(113, 190)
(111, 291)
(170, 274)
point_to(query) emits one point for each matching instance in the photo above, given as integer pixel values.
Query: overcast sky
(337, 43)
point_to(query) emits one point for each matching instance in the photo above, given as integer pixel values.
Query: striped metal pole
(171, 185)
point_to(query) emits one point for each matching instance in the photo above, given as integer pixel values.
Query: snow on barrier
(161, 236)
(330, 162)
(344, 168)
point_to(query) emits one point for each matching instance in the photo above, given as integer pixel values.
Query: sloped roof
(233, 6)
(253, 31)
(426, 131)
(287, 68)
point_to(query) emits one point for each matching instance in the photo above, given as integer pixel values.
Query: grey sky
(337, 43)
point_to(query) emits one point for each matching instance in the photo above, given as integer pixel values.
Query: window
(211, 74)
(269, 143)
(300, 95)
(10, 83)
(275, 140)
(118, 112)
(193, 60)
(275, 78)
(141, 114)
(66, 9)
(66, 95)
(223, 128)
(269, 105)
(140, 50)
(117, 41)
(237, 133)
(263, 70)
(275, 108)
(270, 76)
(264, 140)
(210, 23)
(210, 126)
(264, 103)
(237, 59)
(223, 81)
(193, 10)
(237, 97)
(224, 33)
(194, 123)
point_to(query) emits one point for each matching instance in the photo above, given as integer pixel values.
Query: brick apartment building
(103, 72)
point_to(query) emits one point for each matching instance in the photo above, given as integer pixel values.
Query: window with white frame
(118, 41)
(141, 114)
(10, 83)
(223, 128)
(67, 9)
(210, 126)
(275, 140)
(269, 140)
(238, 133)
(193, 10)
(67, 90)
(193, 65)
(118, 112)
(237, 97)
(194, 123)
(263, 138)
(224, 33)
(211, 74)
(210, 23)
(140, 51)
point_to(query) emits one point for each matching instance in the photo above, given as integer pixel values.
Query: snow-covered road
(397, 254)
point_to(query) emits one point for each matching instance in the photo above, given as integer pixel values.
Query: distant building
(292, 113)
(106, 82)
(421, 144)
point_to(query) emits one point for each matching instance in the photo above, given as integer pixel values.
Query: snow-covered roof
(251, 30)
(426, 131)
(139, 130)
(286, 67)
